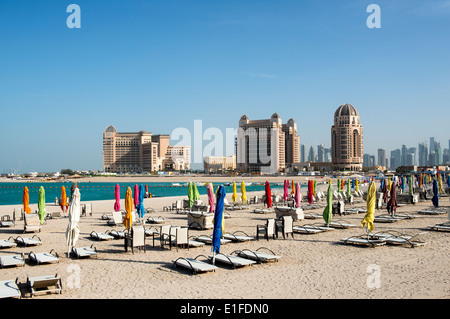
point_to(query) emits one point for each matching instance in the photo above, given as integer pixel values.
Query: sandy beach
(311, 266)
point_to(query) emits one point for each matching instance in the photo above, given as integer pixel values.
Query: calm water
(12, 193)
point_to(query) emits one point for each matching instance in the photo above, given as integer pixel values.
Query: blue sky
(160, 65)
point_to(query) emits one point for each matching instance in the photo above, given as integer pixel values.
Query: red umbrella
(117, 196)
(392, 203)
(268, 199)
(310, 192)
(385, 190)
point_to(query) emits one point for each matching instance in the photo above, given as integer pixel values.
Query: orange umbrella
(26, 200)
(63, 199)
(293, 188)
(129, 204)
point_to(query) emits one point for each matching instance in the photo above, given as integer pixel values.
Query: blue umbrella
(381, 183)
(435, 198)
(218, 215)
(140, 205)
(403, 184)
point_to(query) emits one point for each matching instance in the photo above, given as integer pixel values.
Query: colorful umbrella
(63, 204)
(140, 206)
(234, 196)
(356, 185)
(73, 229)
(348, 189)
(190, 194)
(26, 200)
(117, 195)
(441, 189)
(268, 199)
(195, 192)
(127, 221)
(297, 196)
(327, 212)
(286, 192)
(435, 198)
(385, 191)
(41, 204)
(411, 185)
(136, 195)
(371, 198)
(218, 221)
(392, 202)
(310, 192)
(210, 192)
(243, 196)
(293, 188)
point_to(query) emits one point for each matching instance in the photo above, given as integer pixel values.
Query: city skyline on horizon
(159, 66)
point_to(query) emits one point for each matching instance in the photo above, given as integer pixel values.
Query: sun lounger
(433, 211)
(28, 241)
(387, 218)
(233, 261)
(117, 234)
(310, 229)
(31, 223)
(208, 240)
(100, 236)
(396, 238)
(44, 284)
(12, 260)
(257, 255)
(312, 216)
(238, 238)
(262, 210)
(195, 243)
(341, 224)
(194, 265)
(9, 289)
(116, 219)
(6, 243)
(445, 226)
(6, 221)
(363, 241)
(84, 252)
(44, 258)
(156, 220)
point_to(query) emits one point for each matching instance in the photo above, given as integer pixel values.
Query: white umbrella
(73, 230)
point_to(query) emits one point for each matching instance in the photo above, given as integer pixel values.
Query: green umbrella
(327, 212)
(190, 194)
(339, 185)
(411, 181)
(41, 204)
(348, 188)
(196, 193)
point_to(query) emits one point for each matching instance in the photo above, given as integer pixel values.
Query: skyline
(154, 66)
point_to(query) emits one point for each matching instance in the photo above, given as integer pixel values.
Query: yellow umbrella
(234, 196)
(293, 188)
(441, 190)
(389, 184)
(371, 198)
(356, 185)
(26, 200)
(63, 199)
(129, 208)
(243, 197)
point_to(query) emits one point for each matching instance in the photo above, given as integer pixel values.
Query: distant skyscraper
(404, 155)
(395, 158)
(347, 139)
(321, 153)
(303, 153)
(423, 154)
(431, 145)
(311, 155)
(328, 155)
(411, 151)
(381, 156)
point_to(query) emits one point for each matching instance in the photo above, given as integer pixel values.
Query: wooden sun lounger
(233, 261)
(12, 261)
(363, 241)
(84, 252)
(44, 258)
(101, 236)
(194, 265)
(44, 284)
(238, 238)
(28, 241)
(6, 243)
(257, 255)
(9, 289)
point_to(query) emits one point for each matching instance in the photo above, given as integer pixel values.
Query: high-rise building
(381, 156)
(321, 153)
(404, 155)
(311, 155)
(266, 145)
(423, 154)
(347, 139)
(328, 155)
(396, 159)
(303, 153)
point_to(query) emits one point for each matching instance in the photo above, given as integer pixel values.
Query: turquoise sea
(12, 193)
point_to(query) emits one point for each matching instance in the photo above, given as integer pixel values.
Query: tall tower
(347, 139)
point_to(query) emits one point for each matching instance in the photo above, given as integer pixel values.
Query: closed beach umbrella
(370, 202)
(218, 221)
(381, 183)
(268, 194)
(127, 221)
(293, 188)
(286, 192)
(392, 202)
(243, 196)
(441, 189)
(117, 196)
(41, 204)
(140, 206)
(389, 184)
(136, 195)
(435, 198)
(297, 196)
(327, 212)
(385, 191)
(348, 188)
(73, 229)
(356, 185)
(63, 199)
(342, 184)
(314, 188)
(411, 185)
(210, 192)
(234, 196)
(339, 185)
(195, 192)
(26, 200)
(190, 194)
(310, 192)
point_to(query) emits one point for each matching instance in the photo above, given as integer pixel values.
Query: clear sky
(158, 65)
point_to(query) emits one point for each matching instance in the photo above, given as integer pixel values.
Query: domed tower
(347, 139)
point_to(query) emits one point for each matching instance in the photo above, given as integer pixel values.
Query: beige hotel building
(141, 152)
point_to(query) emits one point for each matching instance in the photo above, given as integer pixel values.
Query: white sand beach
(311, 265)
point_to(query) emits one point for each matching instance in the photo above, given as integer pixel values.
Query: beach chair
(394, 237)
(196, 266)
(258, 255)
(84, 252)
(238, 236)
(156, 220)
(117, 234)
(268, 229)
(12, 260)
(181, 237)
(387, 218)
(308, 229)
(31, 223)
(433, 211)
(164, 235)
(195, 243)
(208, 240)
(9, 289)
(116, 220)
(285, 226)
(7, 243)
(137, 238)
(341, 224)
(262, 210)
(363, 240)
(28, 241)
(44, 285)
(7, 221)
(233, 261)
(100, 236)
(445, 226)
(44, 258)
(151, 232)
